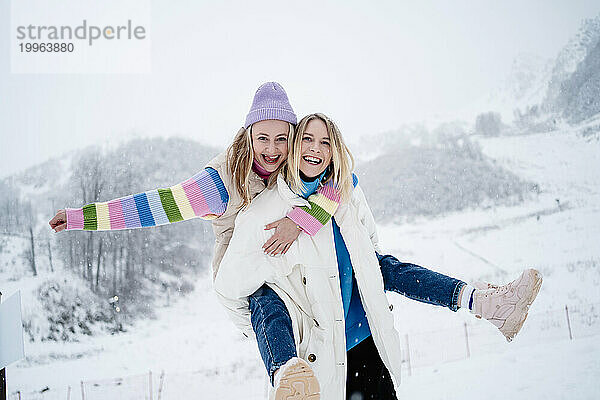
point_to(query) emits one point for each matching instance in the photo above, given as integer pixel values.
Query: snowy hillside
(76, 273)
(431, 177)
(556, 231)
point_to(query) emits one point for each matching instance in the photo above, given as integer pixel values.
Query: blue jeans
(419, 283)
(273, 326)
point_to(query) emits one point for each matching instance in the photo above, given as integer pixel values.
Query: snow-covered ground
(558, 232)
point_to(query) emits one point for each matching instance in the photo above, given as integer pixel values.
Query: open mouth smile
(271, 159)
(312, 160)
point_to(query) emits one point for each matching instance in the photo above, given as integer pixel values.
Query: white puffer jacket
(306, 279)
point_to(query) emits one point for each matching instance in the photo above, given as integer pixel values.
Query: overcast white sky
(371, 66)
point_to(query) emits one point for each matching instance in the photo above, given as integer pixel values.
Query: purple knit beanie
(270, 102)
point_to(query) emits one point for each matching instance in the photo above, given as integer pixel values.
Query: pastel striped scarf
(203, 195)
(323, 205)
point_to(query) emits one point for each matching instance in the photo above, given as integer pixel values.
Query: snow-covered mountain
(525, 85)
(568, 60)
(538, 92)
(579, 97)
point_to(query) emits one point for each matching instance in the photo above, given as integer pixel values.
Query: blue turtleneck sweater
(357, 327)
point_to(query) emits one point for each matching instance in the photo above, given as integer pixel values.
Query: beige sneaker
(507, 306)
(296, 381)
(484, 285)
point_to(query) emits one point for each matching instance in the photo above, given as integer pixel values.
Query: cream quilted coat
(306, 279)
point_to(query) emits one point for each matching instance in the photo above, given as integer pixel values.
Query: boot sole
(298, 383)
(517, 319)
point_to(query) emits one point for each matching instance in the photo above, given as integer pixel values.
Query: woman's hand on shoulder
(286, 232)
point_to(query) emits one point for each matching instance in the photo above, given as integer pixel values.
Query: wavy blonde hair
(240, 156)
(340, 167)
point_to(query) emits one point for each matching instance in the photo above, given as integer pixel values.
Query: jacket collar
(288, 195)
(256, 181)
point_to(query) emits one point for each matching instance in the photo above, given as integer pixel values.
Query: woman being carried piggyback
(322, 322)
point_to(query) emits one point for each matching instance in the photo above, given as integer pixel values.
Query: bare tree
(50, 256)
(32, 251)
(98, 264)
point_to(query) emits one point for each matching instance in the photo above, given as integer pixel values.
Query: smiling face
(315, 153)
(270, 143)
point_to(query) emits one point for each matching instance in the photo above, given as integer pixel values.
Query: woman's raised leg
(419, 283)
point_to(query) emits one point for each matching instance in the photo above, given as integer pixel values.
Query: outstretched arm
(201, 196)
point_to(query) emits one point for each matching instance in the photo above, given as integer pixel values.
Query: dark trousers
(367, 377)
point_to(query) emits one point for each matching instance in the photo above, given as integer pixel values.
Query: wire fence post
(160, 383)
(408, 356)
(150, 383)
(2, 376)
(467, 341)
(82, 392)
(568, 322)
(19, 394)
(69, 393)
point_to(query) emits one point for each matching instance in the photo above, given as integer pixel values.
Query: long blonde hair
(342, 161)
(240, 157)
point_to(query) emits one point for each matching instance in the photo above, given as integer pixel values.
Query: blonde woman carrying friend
(323, 324)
